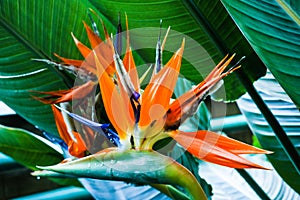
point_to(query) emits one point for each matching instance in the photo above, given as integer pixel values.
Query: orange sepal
(76, 63)
(77, 93)
(156, 97)
(227, 143)
(203, 147)
(113, 102)
(175, 112)
(103, 50)
(78, 148)
(93, 38)
(131, 69)
(75, 149)
(190, 100)
(84, 50)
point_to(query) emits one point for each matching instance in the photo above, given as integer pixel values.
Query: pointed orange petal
(60, 124)
(112, 100)
(83, 90)
(156, 97)
(178, 108)
(78, 92)
(78, 148)
(75, 148)
(76, 63)
(185, 105)
(131, 69)
(104, 50)
(53, 96)
(93, 38)
(210, 151)
(227, 143)
(128, 108)
(68, 95)
(84, 50)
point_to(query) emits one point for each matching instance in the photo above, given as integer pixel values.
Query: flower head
(143, 117)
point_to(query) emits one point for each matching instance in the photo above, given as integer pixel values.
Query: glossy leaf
(35, 29)
(31, 150)
(288, 116)
(207, 22)
(27, 148)
(229, 184)
(273, 30)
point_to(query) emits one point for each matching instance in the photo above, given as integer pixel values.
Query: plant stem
(253, 184)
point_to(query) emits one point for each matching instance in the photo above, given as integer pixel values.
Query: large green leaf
(227, 182)
(27, 148)
(37, 29)
(206, 22)
(273, 30)
(288, 116)
(31, 150)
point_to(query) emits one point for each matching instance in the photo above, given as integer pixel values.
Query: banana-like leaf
(30, 150)
(273, 30)
(287, 115)
(27, 148)
(37, 29)
(206, 22)
(228, 184)
(142, 167)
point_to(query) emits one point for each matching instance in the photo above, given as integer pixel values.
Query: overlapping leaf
(37, 29)
(206, 22)
(273, 30)
(28, 148)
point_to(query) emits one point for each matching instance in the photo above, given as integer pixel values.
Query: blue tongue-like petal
(100, 128)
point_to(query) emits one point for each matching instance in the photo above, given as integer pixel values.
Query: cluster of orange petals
(158, 118)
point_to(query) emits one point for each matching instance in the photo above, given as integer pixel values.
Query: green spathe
(142, 167)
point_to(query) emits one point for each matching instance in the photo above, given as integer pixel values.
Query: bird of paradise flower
(141, 117)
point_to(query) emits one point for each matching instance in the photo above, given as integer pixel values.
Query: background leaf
(229, 185)
(206, 22)
(27, 148)
(37, 29)
(287, 115)
(31, 150)
(273, 30)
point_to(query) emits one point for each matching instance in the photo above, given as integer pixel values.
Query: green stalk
(170, 191)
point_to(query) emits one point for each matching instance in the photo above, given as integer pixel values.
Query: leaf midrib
(205, 25)
(35, 50)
